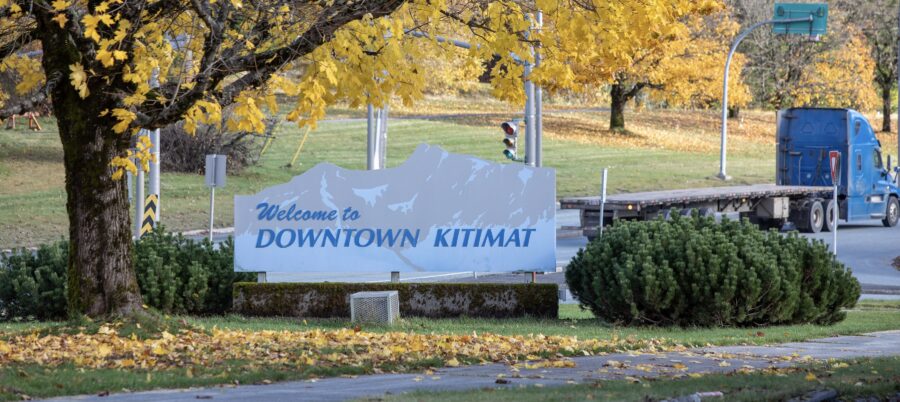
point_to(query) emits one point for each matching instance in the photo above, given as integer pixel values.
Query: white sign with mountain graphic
(438, 211)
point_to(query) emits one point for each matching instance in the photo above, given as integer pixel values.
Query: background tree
(97, 58)
(683, 54)
(876, 20)
(779, 67)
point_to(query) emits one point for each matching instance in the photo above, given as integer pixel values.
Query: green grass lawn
(32, 197)
(869, 378)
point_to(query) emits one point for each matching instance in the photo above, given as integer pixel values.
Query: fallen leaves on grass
(329, 348)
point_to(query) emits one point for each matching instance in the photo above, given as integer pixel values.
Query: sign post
(215, 177)
(603, 198)
(835, 159)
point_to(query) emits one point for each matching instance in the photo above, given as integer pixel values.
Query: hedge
(175, 275)
(693, 271)
(433, 300)
(33, 284)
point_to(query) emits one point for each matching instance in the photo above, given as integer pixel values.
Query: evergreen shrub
(33, 283)
(180, 275)
(693, 271)
(175, 275)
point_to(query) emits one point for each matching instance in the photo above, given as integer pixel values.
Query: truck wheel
(893, 213)
(829, 217)
(810, 217)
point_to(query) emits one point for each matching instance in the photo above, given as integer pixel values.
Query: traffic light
(510, 137)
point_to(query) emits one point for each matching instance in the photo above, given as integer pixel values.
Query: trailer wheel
(893, 213)
(810, 216)
(829, 217)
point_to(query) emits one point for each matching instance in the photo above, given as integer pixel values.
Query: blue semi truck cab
(867, 188)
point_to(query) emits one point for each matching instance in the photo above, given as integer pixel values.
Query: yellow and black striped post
(149, 221)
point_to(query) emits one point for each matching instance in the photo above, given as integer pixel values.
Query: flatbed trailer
(803, 193)
(767, 204)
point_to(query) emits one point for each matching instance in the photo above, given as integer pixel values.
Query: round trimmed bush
(693, 271)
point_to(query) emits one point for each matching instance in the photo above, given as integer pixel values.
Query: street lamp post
(789, 18)
(722, 153)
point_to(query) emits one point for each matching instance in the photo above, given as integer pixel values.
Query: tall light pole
(722, 151)
(790, 18)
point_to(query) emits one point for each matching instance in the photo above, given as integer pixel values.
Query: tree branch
(13, 46)
(259, 67)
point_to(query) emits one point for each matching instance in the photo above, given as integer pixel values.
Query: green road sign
(796, 18)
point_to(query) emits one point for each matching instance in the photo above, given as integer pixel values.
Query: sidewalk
(586, 369)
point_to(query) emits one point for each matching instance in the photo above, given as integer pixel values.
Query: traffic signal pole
(371, 143)
(533, 104)
(539, 103)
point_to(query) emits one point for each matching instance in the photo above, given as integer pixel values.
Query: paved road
(586, 370)
(869, 249)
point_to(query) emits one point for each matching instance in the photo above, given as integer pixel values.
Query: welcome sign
(438, 211)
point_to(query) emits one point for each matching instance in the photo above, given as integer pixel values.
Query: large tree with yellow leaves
(95, 60)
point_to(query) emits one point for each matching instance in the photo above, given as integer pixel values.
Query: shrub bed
(434, 300)
(179, 275)
(693, 271)
(33, 284)
(175, 274)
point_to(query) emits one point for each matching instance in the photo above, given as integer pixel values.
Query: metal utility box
(375, 307)
(774, 208)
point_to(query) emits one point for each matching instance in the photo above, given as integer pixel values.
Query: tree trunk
(886, 108)
(618, 99)
(734, 112)
(101, 279)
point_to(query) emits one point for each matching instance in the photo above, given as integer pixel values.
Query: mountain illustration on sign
(415, 216)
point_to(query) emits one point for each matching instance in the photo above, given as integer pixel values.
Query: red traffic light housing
(510, 127)
(510, 131)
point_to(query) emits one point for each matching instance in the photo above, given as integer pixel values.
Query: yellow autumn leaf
(105, 57)
(125, 118)
(159, 350)
(60, 5)
(810, 377)
(91, 23)
(453, 362)
(78, 79)
(61, 19)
